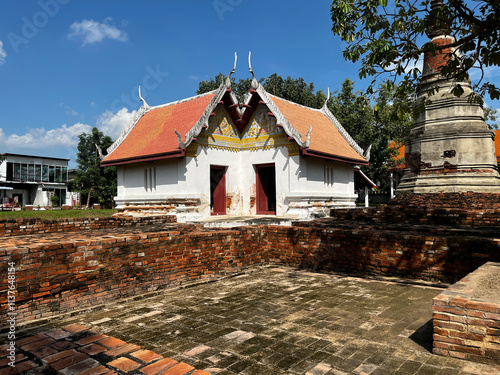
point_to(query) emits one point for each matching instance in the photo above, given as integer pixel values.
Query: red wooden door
(217, 190)
(266, 189)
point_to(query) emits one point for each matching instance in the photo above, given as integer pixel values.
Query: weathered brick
(111, 342)
(124, 364)
(146, 356)
(158, 367)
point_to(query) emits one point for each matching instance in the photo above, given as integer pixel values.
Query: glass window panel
(31, 172)
(38, 173)
(52, 173)
(10, 171)
(64, 174)
(24, 172)
(58, 174)
(17, 172)
(45, 173)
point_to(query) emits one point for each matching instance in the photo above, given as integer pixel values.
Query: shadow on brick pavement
(267, 321)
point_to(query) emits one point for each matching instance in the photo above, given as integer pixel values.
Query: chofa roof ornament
(228, 79)
(99, 152)
(142, 99)
(255, 83)
(327, 99)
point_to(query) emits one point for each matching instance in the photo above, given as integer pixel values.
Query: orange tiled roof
(154, 135)
(325, 137)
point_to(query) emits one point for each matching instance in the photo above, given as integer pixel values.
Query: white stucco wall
(300, 181)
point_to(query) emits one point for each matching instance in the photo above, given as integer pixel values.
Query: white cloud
(3, 54)
(41, 138)
(194, 77)
(113, 124)
(68, 109)
(90, 31)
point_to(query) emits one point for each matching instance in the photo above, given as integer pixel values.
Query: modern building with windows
(33, 180)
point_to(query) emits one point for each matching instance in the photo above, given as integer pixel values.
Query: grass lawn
(56, 214)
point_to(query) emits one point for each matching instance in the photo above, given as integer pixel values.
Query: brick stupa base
(466, 201)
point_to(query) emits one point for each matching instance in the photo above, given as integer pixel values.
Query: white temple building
(210, 155)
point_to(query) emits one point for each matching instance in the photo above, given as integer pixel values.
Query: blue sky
(69, 65)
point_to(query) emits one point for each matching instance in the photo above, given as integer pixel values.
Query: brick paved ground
(269, 321)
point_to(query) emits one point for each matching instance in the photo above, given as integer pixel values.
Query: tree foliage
(96, 184)
(490, 116)
(389, 38)
(376, 126)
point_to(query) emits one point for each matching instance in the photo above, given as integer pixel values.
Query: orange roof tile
(325, 137)
(154, 135)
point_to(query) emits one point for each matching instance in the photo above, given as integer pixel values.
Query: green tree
(389, 38)
(296, 90)
(389, 120)
(240, 88)
(490, 116)
(393, 122)
(96, 183)
(354, 111)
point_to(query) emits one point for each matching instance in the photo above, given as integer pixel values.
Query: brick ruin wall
(449, 209)
(63, 272)
(28, 226)
(467, 324)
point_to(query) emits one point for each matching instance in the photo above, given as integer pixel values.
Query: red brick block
(441, 331)
(98, 370)
(438, 316)
(447, 339)
(37, 344)
(458, 301)
(6, 361)
(487, 307)
(492, 316)
(440, 351)
(179, 369)
(449, 325)
(122, 349)
(93, 349)
(79, 367)
(68, 361)
(449, 310)
(58, 356)
(58, 333)
(475, 313)
(30, 339)
(124, 364)
(200, 372)
(111, 342)
(93, 338)
(64, 345)
(75, 328)
(158, 367)
(467, 335)
(44, 351)
(146, 356)
(459, 355)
